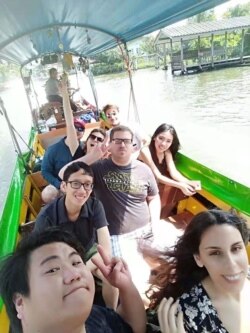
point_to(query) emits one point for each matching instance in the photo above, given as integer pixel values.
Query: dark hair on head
(179, 273)
(110, 106)
(120, 128)
(97, 130)
(175, 146)
(52, 70)
(76, 166)
(14, 271)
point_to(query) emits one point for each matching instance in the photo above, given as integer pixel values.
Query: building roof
(204, 29)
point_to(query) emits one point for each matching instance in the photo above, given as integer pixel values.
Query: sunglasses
(109, 115)
(93, 137)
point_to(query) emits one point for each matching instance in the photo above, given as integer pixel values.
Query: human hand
(115, 270)
(63, 84)
(99, 150)
(187, 189)
(196, 184)
(168, 321)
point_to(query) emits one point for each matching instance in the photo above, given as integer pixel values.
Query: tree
(147, 44)
(239, 10)
(208, 15)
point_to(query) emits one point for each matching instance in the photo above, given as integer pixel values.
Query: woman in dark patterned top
(206, 276)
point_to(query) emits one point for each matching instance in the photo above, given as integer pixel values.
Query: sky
(219, 11)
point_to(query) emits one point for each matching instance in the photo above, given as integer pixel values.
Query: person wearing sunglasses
(113, 118)
(83, 215)
(96, 136)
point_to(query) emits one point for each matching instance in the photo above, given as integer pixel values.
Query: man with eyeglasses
(76, 211)
(112, 114)
(126, 188)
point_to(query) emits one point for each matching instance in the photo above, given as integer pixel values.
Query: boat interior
(176, 208)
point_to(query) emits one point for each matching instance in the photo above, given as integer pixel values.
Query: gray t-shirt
(51, 87)
(123, 191)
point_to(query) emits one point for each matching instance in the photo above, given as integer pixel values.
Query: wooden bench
(32, 202)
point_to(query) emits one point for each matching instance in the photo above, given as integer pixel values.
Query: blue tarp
(31, 28)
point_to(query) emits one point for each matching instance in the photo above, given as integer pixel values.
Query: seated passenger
(67, 149)
(52, 89)
(47, 288)
(112, 114)
(58, 155)
(159, 156)
(203, 281)
(81, 214)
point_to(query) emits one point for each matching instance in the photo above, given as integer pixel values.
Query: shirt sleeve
(99, 217)
(42, 221)
(48, 170)
(153, 187)
(101, 317)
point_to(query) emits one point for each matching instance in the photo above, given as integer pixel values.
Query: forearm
(168, 181)
(131, 309)
(154, 206)
(88, 159)
(177, 176)
(51, 179)
(103, 237)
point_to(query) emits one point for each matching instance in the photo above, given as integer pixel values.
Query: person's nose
(71, 274)
(123, 144)
(230, 261)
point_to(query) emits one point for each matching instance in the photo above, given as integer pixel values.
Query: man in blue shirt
(55, 157)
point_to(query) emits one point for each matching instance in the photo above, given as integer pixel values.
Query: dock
(199, 47)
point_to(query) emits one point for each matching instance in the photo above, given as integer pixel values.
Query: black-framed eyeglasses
(93, 137)
(118, 141)
(75, 184)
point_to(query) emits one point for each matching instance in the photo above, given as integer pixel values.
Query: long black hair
(179, 273)
(175, 146)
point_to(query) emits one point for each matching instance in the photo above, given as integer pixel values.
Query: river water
(210, 111)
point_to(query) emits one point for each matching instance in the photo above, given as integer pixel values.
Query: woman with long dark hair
(160, 157)
(206, 276)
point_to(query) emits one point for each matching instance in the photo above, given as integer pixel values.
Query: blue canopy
(32, 28)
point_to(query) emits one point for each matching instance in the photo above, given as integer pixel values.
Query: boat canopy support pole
(34, 120)
(129, 70)
(13, 136)
(94, 91)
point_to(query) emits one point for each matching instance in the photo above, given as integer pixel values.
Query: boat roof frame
(119, 21)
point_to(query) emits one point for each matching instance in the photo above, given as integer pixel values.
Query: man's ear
(63, 186)
(18, 301)
(198, 260)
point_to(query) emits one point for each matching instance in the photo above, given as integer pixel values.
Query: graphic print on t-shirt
(123, 182)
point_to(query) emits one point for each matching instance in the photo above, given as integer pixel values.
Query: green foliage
(147, 45)
(239, 10)
(8, 71)
(208, 15)
(102, 68)
(109, 57)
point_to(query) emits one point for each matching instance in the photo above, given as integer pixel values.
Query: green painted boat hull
(229, 191)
